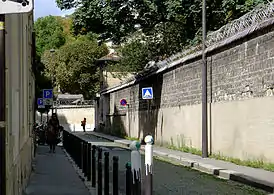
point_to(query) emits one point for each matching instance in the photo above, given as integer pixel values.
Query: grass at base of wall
(131, 138)
(250, 163)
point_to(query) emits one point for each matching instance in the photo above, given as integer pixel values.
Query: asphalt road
(171, 179)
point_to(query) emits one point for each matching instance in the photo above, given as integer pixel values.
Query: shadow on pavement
(54, 175)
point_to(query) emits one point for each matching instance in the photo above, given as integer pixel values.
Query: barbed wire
(250, 20)
(259, 14)
(73, 103)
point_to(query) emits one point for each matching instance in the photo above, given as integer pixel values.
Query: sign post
(48, 98)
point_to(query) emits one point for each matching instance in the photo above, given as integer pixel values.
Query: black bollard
(136, 186)
(81, 155)
(115, 175)
(93, 171)
(68, 143)
(73, 148)
(77, 151)
(148, 180)
(89, 162)
(106, 174)
(85, 158)
(128, 179)
(99, 172)
(64, 141)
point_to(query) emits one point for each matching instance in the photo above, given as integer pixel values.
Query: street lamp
(204, 87)
(52, 51)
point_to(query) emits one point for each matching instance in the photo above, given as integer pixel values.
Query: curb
(205, 168)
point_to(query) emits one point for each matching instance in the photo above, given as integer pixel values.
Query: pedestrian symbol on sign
(147, 93)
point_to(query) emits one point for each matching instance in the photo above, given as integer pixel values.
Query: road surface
(170, 179)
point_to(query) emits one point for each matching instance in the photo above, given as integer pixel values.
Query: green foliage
(49, 34)
(73, 66)
(168, 25)
(134, 56)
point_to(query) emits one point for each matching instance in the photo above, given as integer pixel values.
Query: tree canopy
(118, 18)
(145, 30)
(70, 66)
(49, 34)
(73, 66)
(167, 25)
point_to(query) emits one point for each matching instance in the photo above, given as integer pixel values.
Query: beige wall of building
(20, 99)
(70, 115)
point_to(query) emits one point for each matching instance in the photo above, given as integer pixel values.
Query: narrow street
(170, 179)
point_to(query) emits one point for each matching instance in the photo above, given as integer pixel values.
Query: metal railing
(95, 166)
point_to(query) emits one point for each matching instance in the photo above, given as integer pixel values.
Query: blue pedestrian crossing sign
(47, 93)
(147, 93)
(40, 103)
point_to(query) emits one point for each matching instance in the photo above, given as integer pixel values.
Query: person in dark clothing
(83, 124)
(53, 130)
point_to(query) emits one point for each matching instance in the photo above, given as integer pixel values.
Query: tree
(168, 26)
(49, 34)
(134, 56)
(74, 67)
(118, 18)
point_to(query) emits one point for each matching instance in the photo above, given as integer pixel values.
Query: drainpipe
(2, 107)
(204, 88)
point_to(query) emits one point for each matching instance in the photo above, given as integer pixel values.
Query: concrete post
(136, 167)
(148, 165)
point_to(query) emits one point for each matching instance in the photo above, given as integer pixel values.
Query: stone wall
(240, 98)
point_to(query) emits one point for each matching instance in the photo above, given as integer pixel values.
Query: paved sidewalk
(258, 178)
(54, 175)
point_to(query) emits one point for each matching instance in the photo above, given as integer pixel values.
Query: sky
(48, 7)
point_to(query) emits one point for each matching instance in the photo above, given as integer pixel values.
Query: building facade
(20, 94)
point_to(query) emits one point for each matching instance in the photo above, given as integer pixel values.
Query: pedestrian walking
(53, 132)
(83, 124)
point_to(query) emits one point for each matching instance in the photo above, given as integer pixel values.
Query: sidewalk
(258, 178)
(54, 175)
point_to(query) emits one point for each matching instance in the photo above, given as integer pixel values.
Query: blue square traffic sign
(147, 93)
(47, 93)
(40, 102)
